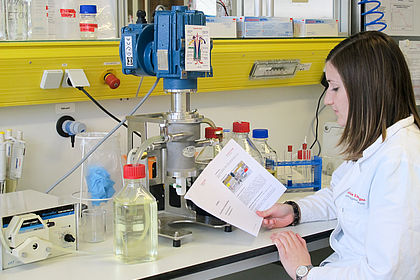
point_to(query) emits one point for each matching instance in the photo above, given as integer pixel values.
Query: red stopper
(112, 81)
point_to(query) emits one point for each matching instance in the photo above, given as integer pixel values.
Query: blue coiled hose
(373, 10)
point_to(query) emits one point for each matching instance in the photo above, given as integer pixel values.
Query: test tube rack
(316, 173)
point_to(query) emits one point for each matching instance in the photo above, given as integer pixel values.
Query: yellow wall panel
(22, 65)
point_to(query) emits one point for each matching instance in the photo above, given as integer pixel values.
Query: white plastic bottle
(208, 153)
(260, 137)
(135, 219)
(17, 19)
(241, 136)
(88, 24)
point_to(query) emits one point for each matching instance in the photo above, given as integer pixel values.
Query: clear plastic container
(88, 24)
(227, 135)
(65, 20)
(208, 153)
(38, 20)
(260, 137)
(135, 219)
(241, 136)
(17, 19)
(100, 180)
(2, 20)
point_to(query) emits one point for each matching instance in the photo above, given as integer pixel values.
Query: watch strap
(296, 212)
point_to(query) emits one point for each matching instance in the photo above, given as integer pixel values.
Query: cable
(224, 7)
(317, 122)
(104, 139)
(138, 88)
(103, 108)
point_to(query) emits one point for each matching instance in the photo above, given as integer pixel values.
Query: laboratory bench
(208, 254)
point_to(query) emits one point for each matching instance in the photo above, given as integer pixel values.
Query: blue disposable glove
(100, 185)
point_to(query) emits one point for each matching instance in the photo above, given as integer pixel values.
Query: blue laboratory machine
(176, 48)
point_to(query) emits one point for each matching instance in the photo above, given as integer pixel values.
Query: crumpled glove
(100, 185)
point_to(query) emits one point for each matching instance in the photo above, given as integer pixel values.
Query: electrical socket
(75, 78)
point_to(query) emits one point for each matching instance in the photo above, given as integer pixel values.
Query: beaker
(100, 179)
(93, 225)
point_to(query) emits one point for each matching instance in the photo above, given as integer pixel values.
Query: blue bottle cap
(88, 9)
(260, 133)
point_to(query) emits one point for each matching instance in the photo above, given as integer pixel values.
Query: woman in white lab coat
(375, 193)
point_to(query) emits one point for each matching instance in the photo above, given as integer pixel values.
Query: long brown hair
(378, 84)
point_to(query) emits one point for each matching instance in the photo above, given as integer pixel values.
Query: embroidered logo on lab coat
(356, 197)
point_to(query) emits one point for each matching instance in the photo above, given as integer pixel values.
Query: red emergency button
(112, 81)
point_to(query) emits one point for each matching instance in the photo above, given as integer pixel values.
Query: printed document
(411, 51)
(233, 186)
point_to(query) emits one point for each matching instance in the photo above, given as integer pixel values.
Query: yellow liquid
(136, 229)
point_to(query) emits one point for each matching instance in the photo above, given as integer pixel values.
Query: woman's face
(336, 95)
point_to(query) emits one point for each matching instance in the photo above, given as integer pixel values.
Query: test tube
(290, 156)
(301, 168)
(306, 172)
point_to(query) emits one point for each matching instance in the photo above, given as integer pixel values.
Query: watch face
(301, 271)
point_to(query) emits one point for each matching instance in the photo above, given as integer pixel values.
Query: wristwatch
(302, 271)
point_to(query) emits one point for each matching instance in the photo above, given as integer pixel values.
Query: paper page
(411, 51)
(233, 186)
(399, 15)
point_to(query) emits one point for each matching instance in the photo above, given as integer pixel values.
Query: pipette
(2, 163)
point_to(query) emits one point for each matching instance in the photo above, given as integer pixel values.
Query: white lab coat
(376, 201)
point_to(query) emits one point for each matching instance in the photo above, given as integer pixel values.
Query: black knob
(69, 238)
(141, 16)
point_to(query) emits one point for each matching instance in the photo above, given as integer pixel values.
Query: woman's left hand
(292, 251)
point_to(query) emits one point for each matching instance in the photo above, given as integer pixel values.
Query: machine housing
(36, 226)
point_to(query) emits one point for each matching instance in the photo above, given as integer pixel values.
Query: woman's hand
(292, 251)
(279, 215)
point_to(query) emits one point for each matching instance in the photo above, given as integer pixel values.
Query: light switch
(51, 79)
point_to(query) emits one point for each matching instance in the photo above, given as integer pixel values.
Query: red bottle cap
(134, 171)
(289, 148)
(112, 81)
(241, 127)
(210, 132)
(304, 146)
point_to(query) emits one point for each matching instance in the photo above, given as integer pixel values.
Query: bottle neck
(133, 183)
(241, 134)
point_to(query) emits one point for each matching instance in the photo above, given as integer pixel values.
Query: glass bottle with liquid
(3, 20)
(65, 20)
(88, 24)
(208, 153)
(241, 136)
(260, 137)
(135, 219)
(17, 19)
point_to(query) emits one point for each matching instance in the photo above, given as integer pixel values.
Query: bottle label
(88, 27)
(69, 13)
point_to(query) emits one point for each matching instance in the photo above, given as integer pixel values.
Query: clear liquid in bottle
(135, 221)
